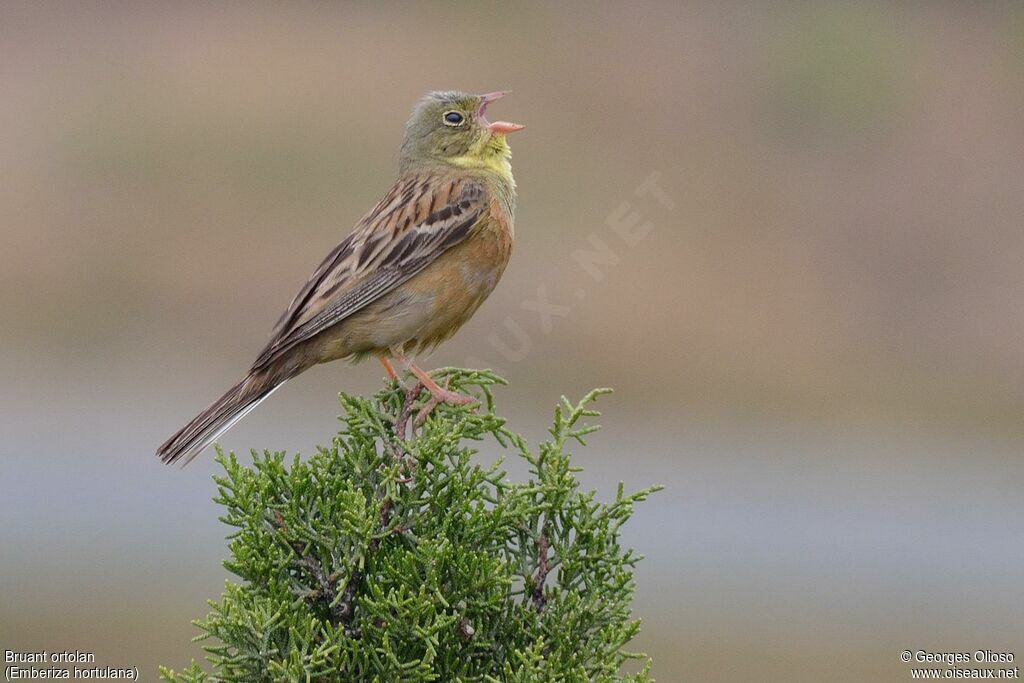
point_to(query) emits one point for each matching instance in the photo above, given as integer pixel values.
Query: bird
(410, 273)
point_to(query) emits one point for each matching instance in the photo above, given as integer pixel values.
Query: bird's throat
(494, 156)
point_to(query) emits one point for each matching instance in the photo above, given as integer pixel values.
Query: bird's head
(450, 128)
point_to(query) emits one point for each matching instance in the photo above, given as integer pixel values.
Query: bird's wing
(418, 220)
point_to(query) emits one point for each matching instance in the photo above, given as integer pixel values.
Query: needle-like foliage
(394, 555)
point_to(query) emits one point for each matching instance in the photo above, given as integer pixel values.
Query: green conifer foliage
(394, 555)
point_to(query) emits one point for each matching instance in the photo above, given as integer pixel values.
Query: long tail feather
(221, 416)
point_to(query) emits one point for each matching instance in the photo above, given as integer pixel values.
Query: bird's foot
(441, 394)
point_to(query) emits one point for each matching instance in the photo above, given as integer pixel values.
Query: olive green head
(451, 128)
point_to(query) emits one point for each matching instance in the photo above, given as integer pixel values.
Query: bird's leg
(439, 393)
(388, 368)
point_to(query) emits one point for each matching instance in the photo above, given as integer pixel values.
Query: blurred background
(789, 235)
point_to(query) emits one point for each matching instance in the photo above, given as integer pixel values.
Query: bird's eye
(453, 118)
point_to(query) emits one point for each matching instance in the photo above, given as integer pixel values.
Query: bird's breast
(460, 280)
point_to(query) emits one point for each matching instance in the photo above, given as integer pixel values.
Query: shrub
(395, 555)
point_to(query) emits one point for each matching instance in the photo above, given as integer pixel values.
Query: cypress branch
(393, 555)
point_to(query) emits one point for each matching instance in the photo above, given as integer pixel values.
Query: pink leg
(439, 393)
(388, 368)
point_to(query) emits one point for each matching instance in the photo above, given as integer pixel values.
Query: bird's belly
(428, 308)
(452, 289)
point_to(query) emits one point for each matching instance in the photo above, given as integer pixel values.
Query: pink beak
(502, 127)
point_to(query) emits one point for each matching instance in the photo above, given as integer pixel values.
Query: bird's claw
(441, 394)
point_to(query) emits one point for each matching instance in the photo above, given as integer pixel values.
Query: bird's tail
(221, 416)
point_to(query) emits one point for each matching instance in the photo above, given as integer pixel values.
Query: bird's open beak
(502, 127)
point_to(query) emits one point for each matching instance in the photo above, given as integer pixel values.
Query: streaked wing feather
(417, 221)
